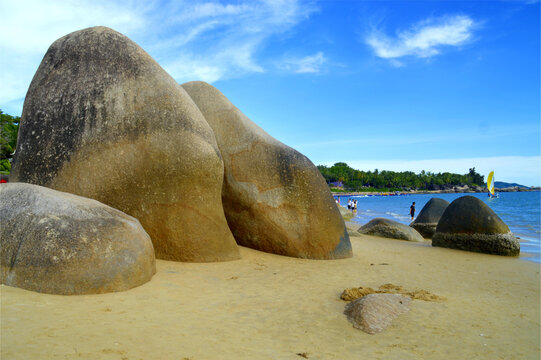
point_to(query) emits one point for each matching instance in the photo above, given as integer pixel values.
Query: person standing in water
(412, 210)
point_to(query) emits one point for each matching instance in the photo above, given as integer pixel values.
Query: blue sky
(395, 85)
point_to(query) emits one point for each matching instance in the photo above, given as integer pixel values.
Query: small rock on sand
(375, 312)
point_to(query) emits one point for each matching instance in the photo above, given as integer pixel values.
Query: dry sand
(272, 307)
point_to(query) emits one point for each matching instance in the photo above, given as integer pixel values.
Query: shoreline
(266, 306)
(419, 192)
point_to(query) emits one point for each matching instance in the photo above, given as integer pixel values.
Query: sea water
(521, 211)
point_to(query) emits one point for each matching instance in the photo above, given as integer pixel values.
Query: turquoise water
(521, 211)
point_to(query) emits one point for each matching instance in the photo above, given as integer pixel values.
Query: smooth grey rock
(103, 120)
(346, 214)
(375, 312)
(275, 199)
(59, 243)
(390, 229)
(470, 224)
(427, 220)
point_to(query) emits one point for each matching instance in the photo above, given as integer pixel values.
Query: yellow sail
(490, 182)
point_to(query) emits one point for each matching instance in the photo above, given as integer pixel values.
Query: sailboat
(490, 185)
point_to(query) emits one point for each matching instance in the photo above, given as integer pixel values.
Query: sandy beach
(266, 306)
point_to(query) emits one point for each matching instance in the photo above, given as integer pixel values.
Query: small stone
(375, 312)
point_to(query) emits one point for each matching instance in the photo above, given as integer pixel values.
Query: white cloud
(307, 64)
(216, 41)
(189, 66)
(194, 40)
(31, 26)
(424, 39)
(525, 170)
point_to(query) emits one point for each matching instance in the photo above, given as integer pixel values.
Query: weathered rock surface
(275, 199)
(59, 243)
(390, 229)
(375, 312)
(103, 120)
(470, 224)
(346, 214)
(428, 218)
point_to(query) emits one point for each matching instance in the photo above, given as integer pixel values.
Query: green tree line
(357, 180)
(9, 127)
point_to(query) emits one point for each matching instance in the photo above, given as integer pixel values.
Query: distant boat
(490, 185)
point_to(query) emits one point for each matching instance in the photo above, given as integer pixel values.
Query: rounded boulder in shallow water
(103, 120)
(390, 229)
(59, 243)
(428, 218)
(275, 199)
(470, 224)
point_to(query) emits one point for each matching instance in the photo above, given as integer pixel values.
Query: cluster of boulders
(464, 188)
(465, 224)
(517, 189)
(470, 224)
(104, 121)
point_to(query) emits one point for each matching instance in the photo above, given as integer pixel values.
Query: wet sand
(266, 306)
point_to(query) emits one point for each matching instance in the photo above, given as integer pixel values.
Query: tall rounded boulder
(390, 229)
(59, 243)
(103, 120)
(428, 218)
(470, 224)
(275, 199)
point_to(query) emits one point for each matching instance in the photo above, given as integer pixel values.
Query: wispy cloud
(424, 39)
(193, 40)
(217, 41)
(307, 64)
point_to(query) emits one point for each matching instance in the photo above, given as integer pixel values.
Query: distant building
(336, 184)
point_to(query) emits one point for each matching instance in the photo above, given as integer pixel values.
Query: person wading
(412, 210)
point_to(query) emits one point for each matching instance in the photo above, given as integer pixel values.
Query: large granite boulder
(59, 243)
(428, 218)
(103, 120)
(375, 312)
(275, 199)
(390, 229)
(470, 224)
